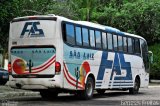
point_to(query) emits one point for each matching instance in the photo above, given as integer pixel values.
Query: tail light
(9, 67)
(57, 67)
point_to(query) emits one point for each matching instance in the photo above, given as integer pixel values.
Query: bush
(155, 66)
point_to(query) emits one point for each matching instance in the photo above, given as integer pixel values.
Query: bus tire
(46, 94)
(87, 93)
(101, 91)
(135, 88)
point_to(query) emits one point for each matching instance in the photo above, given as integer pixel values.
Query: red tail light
(57, 67)
(9, 67)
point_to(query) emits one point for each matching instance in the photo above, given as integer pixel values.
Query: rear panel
(33, 44)
(33, 62)
(32, 47)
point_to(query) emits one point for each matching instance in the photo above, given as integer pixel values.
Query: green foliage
(10, 9)
(61, 8)
(155, 67)
(140, 17)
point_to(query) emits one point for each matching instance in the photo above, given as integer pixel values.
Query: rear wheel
(101, 91)
(46, 94)
(136, 87)
(89, 87)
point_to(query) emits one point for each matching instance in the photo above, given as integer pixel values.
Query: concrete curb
(15, 94)
(154, 86)
(155, 81)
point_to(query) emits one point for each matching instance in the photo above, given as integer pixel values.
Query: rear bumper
(34, 84)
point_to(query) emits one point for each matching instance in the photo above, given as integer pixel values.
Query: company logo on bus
(31, 29)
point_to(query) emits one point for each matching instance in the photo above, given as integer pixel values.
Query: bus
(53, 54)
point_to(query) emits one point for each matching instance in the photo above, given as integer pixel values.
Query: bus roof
(133, 35)
(85, 23)
(102, 27)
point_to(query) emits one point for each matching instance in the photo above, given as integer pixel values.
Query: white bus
(52, 54)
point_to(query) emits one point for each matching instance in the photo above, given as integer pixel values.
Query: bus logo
(116, 65)
(32, 30)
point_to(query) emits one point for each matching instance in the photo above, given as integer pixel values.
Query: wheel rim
(89, 89)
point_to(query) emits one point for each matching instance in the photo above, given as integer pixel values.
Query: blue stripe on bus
(98, 85)
(114, 30)
(122, 85)
(121, 82)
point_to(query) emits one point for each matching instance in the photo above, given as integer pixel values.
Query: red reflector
(9, 67)
(57, 67)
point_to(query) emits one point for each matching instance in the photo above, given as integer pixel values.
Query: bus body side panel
(82, 61)
(115, 71)
(111, 70)
(119, 70)
(135, 62)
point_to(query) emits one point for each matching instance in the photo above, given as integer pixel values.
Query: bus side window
(78, 36)
(70, 34)
(125, 44)
(98, 39)
(110, 41)
(85, 37)
(104, 40)
(145, 54)
(115, 42)
(130, 47)
(120, 46)
(137, 46)
(133, 45)
(92, 38)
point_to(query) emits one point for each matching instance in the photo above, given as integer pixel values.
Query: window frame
(97, 39)
(87, 36)
(73, 33)
(76, 35)
(139, 52)
(106, 39)
(110, 42)
(119, 43)
(90, 38)
(128, 45)
(114, 42)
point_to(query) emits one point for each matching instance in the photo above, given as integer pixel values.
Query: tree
(16, 8)
(83, 8)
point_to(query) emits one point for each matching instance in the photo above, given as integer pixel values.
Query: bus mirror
(150, 56)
